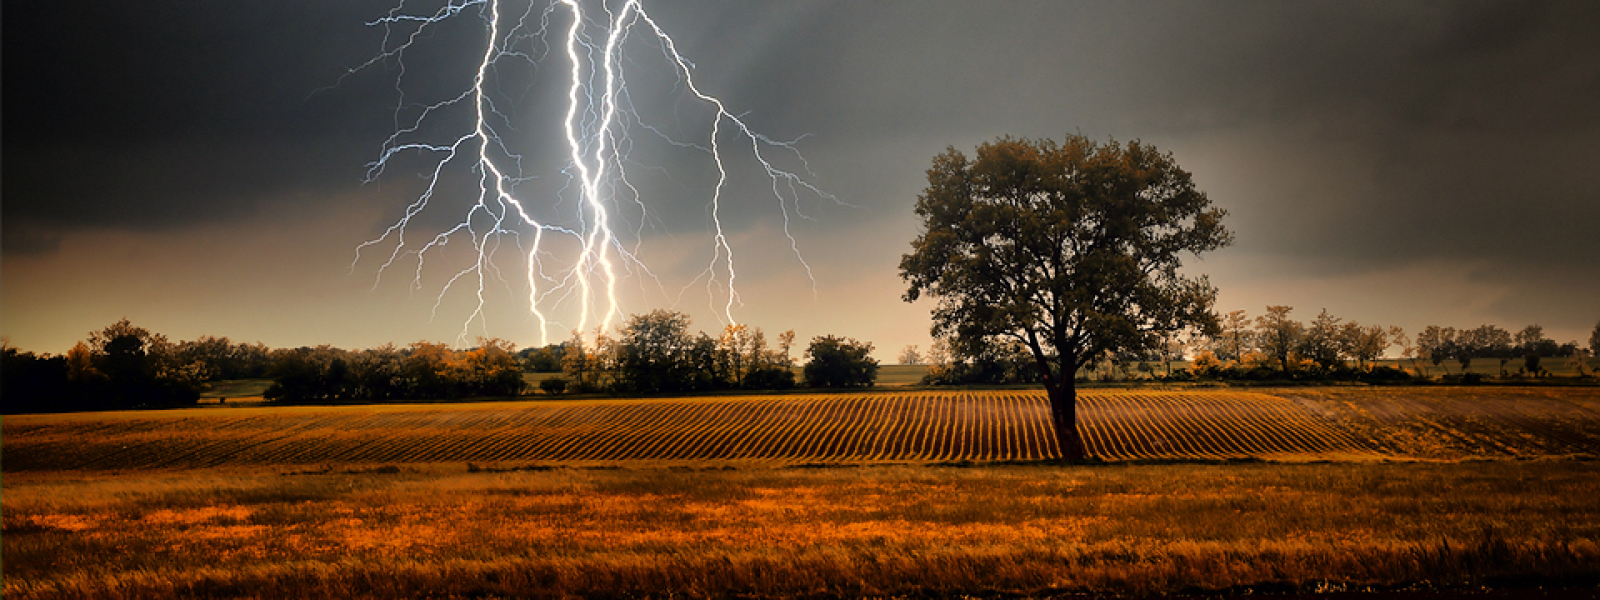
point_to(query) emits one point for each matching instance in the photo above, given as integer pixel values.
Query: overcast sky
(201, 167)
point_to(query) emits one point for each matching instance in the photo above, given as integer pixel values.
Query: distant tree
(1435, 344)
(1071, 249)
(1323, 341)
(1235, 337)
(492, 369)
(941, 363)
(1533, 346)
(1494, 343)
(736, 337)
(434, 371)
(554, 386)
(1006, 361)
(307, 374)
(1566, 350)
(33, 383)
(910, 356)
(255, 359)
(1480, 342)
(770, 377)
(772, 369)
(653, 353)
(1206, 364)
(1278, 336)
(1530, 339)
(710, 364)
(80, 367)
(1173, 347)
(217, 358)
(142, 368)
(543, 360)
(748, 357)
(588, 365)
(1365, 344)
(379, 374)
(1594, 340)
(780, 356)
(1398, 337)
(839, 362)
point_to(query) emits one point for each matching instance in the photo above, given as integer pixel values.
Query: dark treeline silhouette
(124, 367)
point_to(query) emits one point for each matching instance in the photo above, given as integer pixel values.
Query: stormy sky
(201, 168)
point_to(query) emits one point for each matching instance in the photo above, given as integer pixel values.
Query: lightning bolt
(575, 251)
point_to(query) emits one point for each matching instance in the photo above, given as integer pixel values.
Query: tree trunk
(1061, 387)
(1064, 416)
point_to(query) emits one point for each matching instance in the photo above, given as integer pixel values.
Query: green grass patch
(236, 388)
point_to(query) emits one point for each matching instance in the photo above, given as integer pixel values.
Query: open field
(1428, 488)
(1292, 424)
(238, 388)
(849, 531)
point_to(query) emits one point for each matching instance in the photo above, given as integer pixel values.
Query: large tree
(1071, 249)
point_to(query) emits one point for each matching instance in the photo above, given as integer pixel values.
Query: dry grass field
(921, 493)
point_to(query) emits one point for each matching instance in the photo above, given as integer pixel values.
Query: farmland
(779, 430)
(949, 492)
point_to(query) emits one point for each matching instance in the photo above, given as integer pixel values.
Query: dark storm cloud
(1342, 133)
(1455, 130)
(155, 115)
(1374, 130)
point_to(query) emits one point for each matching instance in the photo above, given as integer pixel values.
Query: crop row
(1453, 422)
(909, 426)
(901, 426)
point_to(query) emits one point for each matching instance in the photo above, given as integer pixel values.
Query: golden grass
(379, 501)
(884, 530)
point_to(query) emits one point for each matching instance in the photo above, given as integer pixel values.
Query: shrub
(1382, 373)
(554, 386)
(769, 378)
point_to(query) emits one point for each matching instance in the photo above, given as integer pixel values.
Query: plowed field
(896, 426)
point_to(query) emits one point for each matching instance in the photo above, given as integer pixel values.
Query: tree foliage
(120, 366)
(423, 370)
(1594, 340)
(653, 354)
(1071, 249)
(1279, 335)
(838, 362)
(910, 355)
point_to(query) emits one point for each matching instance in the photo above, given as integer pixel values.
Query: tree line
(1274, 346)
(124, 366)
(655, 353)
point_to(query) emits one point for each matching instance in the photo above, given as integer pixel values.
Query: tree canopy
(1072, 249)
(836, 362)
